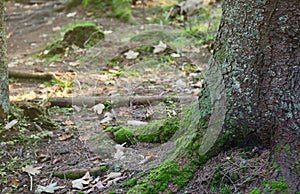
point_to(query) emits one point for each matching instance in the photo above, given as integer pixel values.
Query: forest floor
(30, 158)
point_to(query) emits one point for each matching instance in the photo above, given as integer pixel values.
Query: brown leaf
(65, 136)
(31, 170)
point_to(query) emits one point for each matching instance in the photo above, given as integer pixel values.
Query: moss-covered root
(168, 178)
(156, 132)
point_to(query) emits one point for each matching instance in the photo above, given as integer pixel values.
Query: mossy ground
(120, 9)
(169, 177)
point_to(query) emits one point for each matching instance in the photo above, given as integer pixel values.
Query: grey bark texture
(254, 80)
(4, 94)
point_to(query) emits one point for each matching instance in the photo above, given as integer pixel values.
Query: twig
(31, 181)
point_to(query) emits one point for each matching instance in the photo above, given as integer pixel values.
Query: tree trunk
(253, 81)
(250, 96)
(4, 97)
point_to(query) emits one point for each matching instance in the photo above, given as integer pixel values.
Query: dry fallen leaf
(112, 175)
(69, 122)
(14, 182)
(78, 183)
(11, 124)
(65, 136)
(56, 28)
(31, 170)
(72, 14)
(49, 188)
(175, 55)
(160, 47)
(98, 108)
(136, 123)
(131, 54)
(84, 137)
(147, 159)
(98, 185)
(107, 118)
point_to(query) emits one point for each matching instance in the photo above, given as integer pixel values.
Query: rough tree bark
(4, 97)
(254, 81)
(251, 96)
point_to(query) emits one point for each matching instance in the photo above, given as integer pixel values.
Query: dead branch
(22, 75)
(78, 173)
(116, 101)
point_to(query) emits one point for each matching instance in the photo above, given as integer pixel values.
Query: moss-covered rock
(124, 135)
(83, 35)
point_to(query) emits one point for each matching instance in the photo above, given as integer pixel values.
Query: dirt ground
(79, 143)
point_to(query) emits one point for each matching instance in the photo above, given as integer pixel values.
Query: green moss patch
(130, 183)
(157, 132)
(83, 35)
(120, 9)
(169, 177)
(122, 134)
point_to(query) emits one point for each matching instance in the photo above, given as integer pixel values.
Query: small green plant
(273, 187)
(63, 110)
(122, 9)
(108, 105)
(255, 191)
(218, 184)
(11, 80)
(63, 85)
